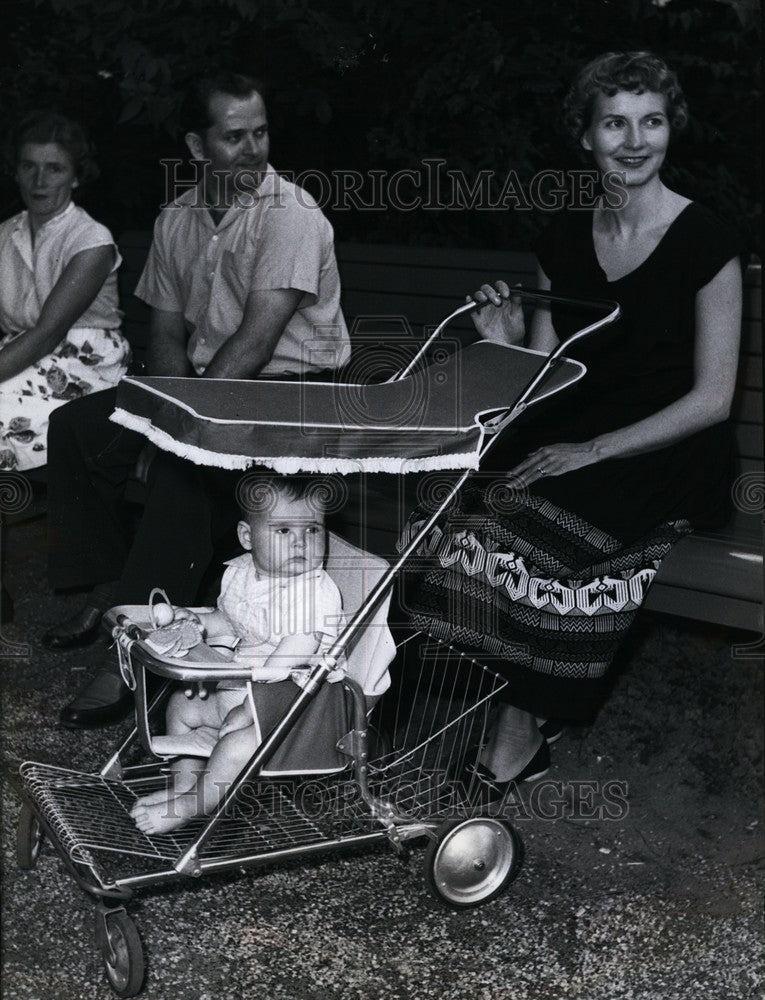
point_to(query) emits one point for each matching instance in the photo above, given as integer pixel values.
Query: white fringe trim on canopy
(290, 465)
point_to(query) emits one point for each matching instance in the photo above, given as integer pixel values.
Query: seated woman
(59, 317)
(584, 499)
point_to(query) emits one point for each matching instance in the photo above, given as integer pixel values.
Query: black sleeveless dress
(544, 584)
(635, 367)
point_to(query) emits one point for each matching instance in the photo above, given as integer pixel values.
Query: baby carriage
(397, 776)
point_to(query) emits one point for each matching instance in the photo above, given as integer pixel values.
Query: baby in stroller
(280, 603)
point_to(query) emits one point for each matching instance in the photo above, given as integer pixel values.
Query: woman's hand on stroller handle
(500, 318)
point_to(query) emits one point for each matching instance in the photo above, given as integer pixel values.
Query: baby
(285, 609)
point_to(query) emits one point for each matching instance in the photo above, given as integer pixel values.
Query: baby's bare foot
(161, 817)
(178, 784)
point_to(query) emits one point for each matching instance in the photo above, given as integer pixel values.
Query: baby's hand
(184, 614)
(238, 718)
(300, 675)
(268, 673)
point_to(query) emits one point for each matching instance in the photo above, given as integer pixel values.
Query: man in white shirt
(242, 283)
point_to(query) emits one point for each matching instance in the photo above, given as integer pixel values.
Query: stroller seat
(311, 748)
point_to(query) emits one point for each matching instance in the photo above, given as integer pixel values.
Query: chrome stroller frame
(402, 791)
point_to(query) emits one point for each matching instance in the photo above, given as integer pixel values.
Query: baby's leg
(182, 775)
(183, 716)
(226, 761)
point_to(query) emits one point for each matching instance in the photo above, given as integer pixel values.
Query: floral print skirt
(86, 360)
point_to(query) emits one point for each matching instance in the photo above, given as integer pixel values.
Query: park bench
(392, 294)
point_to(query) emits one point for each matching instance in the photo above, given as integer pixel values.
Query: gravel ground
(662, 901)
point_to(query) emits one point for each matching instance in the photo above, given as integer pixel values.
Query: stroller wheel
(472, 861)
(122, 952)
(29, 838)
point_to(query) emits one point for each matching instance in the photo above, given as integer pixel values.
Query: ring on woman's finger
(541, 470)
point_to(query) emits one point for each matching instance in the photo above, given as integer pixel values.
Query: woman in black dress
(586, 497)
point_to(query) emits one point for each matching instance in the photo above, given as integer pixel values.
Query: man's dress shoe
(78, 630)
(104, 700)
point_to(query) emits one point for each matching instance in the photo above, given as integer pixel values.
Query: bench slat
(750, 372)
(716, 565)
(432, 257)
(752, 305)
(751, 336)
(717, 609)
(421, 311)
(747, 406)
(454, 284)
(744, 465)
(748, 440)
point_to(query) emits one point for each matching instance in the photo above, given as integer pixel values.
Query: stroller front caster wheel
(29, 838)
(471, 861)
(122, 952)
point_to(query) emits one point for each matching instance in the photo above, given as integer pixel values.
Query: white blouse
(28, 271)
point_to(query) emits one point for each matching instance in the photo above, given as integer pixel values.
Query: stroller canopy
(437, 417)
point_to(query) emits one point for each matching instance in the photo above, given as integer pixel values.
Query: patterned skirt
(85, 361)
(534, 591)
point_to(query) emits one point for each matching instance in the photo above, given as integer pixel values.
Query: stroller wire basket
(441, 713)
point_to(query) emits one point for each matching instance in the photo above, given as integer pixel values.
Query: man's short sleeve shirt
(275, 238)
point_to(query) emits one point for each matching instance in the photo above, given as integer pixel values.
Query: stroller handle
(610, 308)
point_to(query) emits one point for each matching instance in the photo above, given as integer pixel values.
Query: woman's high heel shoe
(475, 771)
(551, 730)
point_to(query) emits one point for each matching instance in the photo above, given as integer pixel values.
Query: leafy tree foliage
(431, 87)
